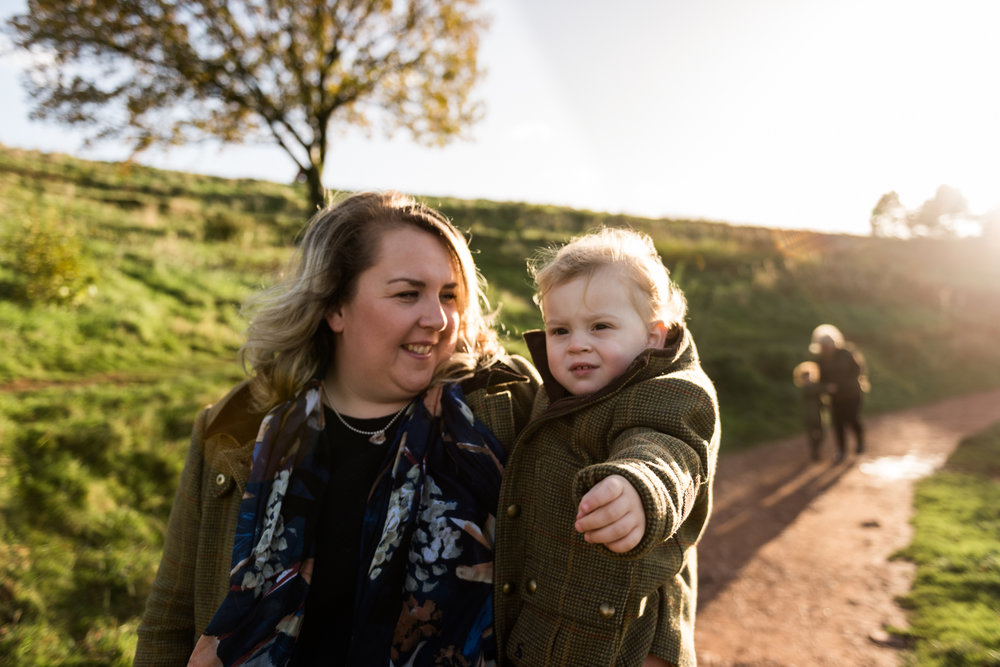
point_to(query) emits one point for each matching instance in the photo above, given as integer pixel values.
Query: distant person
(609, 488)
(806, 378)
(337, 508)
(844, 376)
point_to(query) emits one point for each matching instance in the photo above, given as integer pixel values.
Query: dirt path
(794, 569)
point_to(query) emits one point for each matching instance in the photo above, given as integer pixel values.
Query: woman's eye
(408, 296)
(449, 297)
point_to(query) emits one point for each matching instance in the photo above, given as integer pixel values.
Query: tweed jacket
(562, 601)
(194, 571)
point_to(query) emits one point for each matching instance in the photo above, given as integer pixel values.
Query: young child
(806, 378)
(608, 488)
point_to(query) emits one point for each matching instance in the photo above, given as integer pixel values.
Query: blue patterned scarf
(427, 540)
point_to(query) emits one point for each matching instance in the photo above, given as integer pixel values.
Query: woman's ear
(657, 334)
(335, 319)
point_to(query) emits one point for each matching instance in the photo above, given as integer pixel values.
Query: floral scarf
(427, 541)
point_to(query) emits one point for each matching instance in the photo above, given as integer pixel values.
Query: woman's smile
(419, 349)
(401, 323)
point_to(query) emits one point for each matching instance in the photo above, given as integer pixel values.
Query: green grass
(954, 604)
(87, 476)
(120, 296)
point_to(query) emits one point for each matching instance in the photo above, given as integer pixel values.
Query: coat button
(532, 585)
(506, 588)
(220, 479)
(513, 511)
(607, 611)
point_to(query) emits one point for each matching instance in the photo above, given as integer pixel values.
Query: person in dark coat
(844, 376)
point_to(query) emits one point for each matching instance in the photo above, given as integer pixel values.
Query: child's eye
(558, 331)
(602, 325)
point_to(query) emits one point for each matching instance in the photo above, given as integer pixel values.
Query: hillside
(120, 289)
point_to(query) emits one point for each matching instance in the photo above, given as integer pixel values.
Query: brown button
(506, 588)
(532, 585)
(220, 479)
(607, 611)
(513, 511)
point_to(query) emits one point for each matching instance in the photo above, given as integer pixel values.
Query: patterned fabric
(427, 534)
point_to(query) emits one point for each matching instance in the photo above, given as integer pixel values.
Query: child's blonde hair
(805, 373)
(656, 296)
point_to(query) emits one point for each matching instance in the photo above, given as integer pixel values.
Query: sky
(783, 113)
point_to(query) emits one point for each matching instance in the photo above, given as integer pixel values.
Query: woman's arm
(167, 632)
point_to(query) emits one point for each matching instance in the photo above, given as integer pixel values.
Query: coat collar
(234, 416)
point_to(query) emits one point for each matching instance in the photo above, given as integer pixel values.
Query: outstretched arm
(664, 444)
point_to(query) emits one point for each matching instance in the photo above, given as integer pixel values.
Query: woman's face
(401, 323)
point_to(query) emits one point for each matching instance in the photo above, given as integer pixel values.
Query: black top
(842, 369)
(354, 463)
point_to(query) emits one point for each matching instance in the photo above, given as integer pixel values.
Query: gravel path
(794, 568)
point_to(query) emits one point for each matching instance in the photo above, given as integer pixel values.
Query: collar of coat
(677, 345)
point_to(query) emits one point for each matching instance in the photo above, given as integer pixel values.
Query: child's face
(593, 331)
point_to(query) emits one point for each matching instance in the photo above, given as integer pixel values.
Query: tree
(941, 215)
(990, 224)
(167, 72)
(889, 216)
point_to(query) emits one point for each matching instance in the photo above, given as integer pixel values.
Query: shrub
(48, 263)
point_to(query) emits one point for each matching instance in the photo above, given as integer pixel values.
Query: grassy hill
(120, 290)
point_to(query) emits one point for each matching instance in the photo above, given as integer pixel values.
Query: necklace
(376, 437)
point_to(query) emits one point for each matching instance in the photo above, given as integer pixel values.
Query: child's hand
(611, 514)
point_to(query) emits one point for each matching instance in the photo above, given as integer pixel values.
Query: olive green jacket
(562, 601)
(194, 571)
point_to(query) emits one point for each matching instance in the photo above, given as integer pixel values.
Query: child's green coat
(562, 601)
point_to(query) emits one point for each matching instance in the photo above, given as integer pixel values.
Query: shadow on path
(761, 491)
(748, 516)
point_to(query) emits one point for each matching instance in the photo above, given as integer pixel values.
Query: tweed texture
(562, 601)
(194, 571)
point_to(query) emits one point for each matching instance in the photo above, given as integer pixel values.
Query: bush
(48, 264)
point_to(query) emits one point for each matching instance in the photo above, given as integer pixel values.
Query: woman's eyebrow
(416, 282)
(409, 281)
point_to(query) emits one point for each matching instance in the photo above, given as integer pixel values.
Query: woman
(364, 531)
(844, 377)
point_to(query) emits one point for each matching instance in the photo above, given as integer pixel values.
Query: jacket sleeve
(166, 631)
(664, 440)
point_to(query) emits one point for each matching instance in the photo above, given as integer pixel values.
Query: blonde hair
(630, 251)
(805, 373)
(289, 341)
